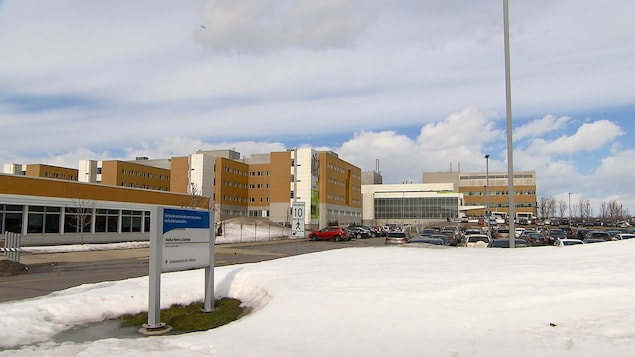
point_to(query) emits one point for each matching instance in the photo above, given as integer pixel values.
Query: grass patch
(189, 318)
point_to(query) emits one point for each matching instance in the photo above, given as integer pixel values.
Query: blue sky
(415, 84)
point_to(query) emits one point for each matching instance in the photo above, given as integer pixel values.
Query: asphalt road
(58, 271)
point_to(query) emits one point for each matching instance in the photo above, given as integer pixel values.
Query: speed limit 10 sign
(297, 210)
(297, 219)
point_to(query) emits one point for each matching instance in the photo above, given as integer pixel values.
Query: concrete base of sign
(162, 329)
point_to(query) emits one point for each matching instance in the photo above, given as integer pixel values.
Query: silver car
(397, 238)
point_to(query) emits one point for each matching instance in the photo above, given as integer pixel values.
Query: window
(130, 221)
(43, 219)
(77, 219)
(12, 218)
(106, 220)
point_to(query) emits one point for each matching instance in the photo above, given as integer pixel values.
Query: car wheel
(359, 236)
(312, 238)
(337, 238)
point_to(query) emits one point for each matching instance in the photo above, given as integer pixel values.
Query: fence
(12, 247)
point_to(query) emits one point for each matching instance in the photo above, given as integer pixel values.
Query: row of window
(506, 204)
(262, 199)
(499, 193)
(259, 173)
(335, 212)
(335, 182)
(137, 185)
(229, 183)
(259, 213)
(336, 197)
(57, 176)
(149, 175)
(494, 176)
(416, 207)
(336, 168)
(234, 170)
(58, 220)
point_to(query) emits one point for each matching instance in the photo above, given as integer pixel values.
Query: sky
(416, 85)
(373, 301)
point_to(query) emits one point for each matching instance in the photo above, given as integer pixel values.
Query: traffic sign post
(297, 222)
(297, 219)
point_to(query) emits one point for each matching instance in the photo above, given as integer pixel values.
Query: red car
(330, 233)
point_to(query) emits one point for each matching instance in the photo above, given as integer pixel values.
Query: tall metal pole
(570, 224)
(487, 212)
(487, 185)
(508, 105)
(295, 192)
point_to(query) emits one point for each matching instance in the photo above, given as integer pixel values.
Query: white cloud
(272, 25)
(588, 137)
(539, 127)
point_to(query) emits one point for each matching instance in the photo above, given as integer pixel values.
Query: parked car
(502, 233)
(330, 233)
(593, 240)
(454, 236)
(357, 232)
(536, 239)
(427, 232)
(428, 240)
(504, 243)
(622, 236)
(396, 238)
(372, 232)
(477, 241)
(555, 234)
(598, 235)
(561, 242)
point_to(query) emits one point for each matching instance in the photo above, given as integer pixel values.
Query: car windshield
(397, 234)
(475, 238)
(556, 232)
(571, 242)
(600, 235)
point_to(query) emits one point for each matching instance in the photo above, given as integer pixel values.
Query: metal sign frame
(180, 239)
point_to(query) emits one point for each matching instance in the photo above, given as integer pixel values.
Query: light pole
(508, 115)
(487, 212)
(487, 186)
(570, 209)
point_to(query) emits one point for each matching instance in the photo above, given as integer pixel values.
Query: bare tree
(197, 199)
(80, 216)
(547, 207)
(575, 211)
(562, 208)
(586, 211)
(615, 211)
(604, 211)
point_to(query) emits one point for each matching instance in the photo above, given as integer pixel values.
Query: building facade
(108, 196)
(410, 204)
(489, 190)
(56, 211)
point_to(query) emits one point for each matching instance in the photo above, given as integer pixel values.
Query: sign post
(180, 239)
(297, 222)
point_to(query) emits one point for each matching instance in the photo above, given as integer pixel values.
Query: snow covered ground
(376, 301)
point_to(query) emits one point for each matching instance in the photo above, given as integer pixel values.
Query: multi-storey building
(53, 211)
(263, 185)
(41, 170)
(489, 190)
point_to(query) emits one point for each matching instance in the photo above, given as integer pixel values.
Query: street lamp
(487, 186)
(570, 209)
(487, 212)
